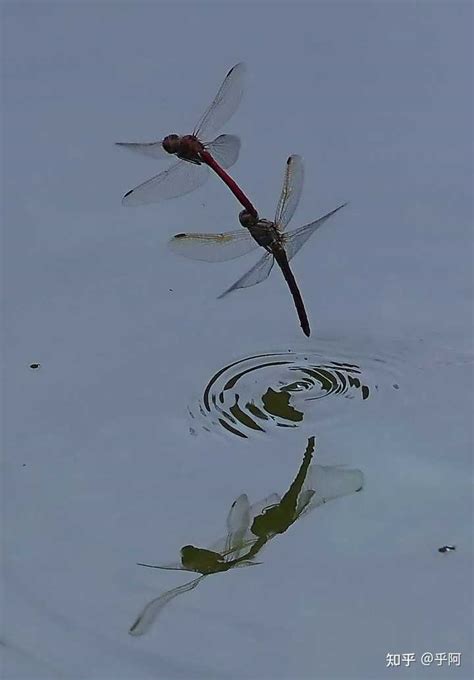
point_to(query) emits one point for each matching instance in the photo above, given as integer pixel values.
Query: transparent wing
(257, 274)
(181, 178)
(213, 247)
(303, 502)
(325, 483)
(259, 506)
(225, 149)
(295, 240)
(149, 614)
(291, 191)
(225, 103)
(238, 522)
(152, 149)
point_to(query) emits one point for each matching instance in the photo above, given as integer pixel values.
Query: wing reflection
(251, 527)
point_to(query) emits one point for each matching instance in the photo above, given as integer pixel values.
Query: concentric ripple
(333, 380)
(276, 390)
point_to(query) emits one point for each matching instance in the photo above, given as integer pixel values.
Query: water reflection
(250, 527)
(259, 391)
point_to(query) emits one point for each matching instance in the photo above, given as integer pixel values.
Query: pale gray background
(100, 470)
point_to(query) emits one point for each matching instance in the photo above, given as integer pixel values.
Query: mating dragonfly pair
(191, 171)
(250, 527)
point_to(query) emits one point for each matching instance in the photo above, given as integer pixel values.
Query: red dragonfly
(186, 175)
(280, 245)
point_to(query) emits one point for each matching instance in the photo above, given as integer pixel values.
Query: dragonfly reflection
(281, 246)
(251, 527)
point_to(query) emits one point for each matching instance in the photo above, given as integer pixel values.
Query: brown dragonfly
(280, 245)
(195, 155)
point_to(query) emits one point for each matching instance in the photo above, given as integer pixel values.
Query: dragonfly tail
(293, 286)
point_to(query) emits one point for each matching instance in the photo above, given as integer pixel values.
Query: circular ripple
(334, 379)
(266, 390)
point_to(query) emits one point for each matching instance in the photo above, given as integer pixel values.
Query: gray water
(155, 406)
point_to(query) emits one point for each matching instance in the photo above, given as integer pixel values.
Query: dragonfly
(251, 527)
(225, 554)
(195, 155)
(281, 246)
(313, 486)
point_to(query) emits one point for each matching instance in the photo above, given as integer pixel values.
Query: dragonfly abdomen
(280, 257)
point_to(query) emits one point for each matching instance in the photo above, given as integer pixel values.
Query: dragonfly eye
(171, 143)
(246, 219)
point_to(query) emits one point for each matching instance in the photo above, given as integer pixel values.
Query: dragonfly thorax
(265, 233)
(186, 147)
(189, 149)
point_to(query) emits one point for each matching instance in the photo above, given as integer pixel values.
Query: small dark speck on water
(35, 365)
(446, 548)
(170, 290)
(23, 465)
(395, 386)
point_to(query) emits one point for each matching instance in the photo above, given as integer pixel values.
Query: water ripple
(275, 389)
(335, 378)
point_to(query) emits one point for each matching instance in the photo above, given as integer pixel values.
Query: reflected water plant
(251, 527)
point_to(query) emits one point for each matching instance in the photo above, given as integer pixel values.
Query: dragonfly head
(171, 143)
(247, 220)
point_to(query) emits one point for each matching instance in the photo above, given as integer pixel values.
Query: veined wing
(152, 149)
(238, 523)
(148, 615)
(291, 191)
(224, 104)
(225, 149)
(257, 274)
(296, 239)
(327, 482)
(264, 504)
(213, 247)
(240, 537)
(181, 178)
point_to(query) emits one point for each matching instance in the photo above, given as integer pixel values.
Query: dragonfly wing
(290, 192)
(224, 104)
(327, 483)
(152, 149)
(181, 178)
(257, 274)
(296, 239)
(149, 614)
(213, 247)
(303, 501)
(258, 507)
(225, 149)
(238, 522)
